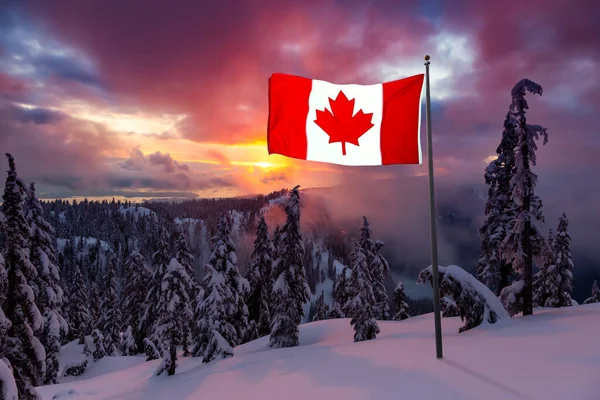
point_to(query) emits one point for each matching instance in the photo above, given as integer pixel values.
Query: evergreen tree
(561, 271)
(99, 348)
(400, 301)
(173, 315)
(110, 321)
(377, 270)
(340, 295)
(129, 345)
(500, 210)
(595, 297)
(46, 285)
(542, 282)
(184, 256)
(160, 260)
(215, 333)
(79, 315)
(321, 309)
(24, 351)
(524, 241)
(259, 277)
(290, 289)
(137, 278)
(362, 300)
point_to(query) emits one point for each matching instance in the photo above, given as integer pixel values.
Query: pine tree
(137, 278)
(340, 296)
(215, 333)
(46, 285)
(377, 269)
(595, 297)
(290, 289)
(8, 386)
(362, 300)
(129, 345)
(561, 272)
(79, 315)
(110, 321)
(24, 351)
(99, 347)
(542, 282)
(400, 301)
(259, 277)
(500, 210)
(524, 241)
(160, 260)
(321, 309)
(173, 315)
(184, 256)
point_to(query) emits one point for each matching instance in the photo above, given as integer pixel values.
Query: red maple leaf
(340, 123)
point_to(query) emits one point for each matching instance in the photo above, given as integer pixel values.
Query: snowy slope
(136, 212)
(551, 355)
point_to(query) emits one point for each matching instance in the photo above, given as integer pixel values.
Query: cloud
(37, 115)
(169, 164)
(216, 155)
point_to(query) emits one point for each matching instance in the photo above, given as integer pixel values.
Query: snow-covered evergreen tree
(290, 289)
(595, 297)
(79, 315)
(400, 301)
(561, 271)
(340, 295)
(542, 282)
(184, 256)
(362, 300)
(8, 386)
(259, 277)
(111, 318)
(448, 307)
(215, 333)
(128, 343)
(524, 241)
(137, 278)
(378, 269)
(500, 210)
(46, 284)
(99, 348)
(321, 308)
(160, 260)
(173, 315)
(24, 351)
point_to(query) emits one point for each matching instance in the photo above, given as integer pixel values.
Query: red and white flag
(316, 120)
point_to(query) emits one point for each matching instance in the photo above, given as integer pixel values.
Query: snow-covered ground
(551, 355)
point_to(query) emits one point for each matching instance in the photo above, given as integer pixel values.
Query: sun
(264, 165)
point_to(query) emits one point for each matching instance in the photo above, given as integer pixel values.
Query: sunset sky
(103, 98)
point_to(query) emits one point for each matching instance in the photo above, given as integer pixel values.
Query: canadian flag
(317, 120)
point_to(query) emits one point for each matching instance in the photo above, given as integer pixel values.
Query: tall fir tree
(400, 302)
(46, 285)
(595, 297)
(524, 241)
(184, 256)
(377, 268)
(340, 295)
(173, 315)
(160, 260)
(24, 352)
(290, 289)
(216, 334)
(259, 277)
(321, 308)
(362, 300)
(500, 209)
(111, 318)
(561, 271)
(137, 278)
(79, 315)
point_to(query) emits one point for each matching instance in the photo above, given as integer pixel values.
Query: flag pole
(432, 217)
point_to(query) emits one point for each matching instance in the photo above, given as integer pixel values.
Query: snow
(8, 387)
(550, 355)
(88, 243)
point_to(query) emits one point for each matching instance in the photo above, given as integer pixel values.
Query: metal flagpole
(432, 218)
